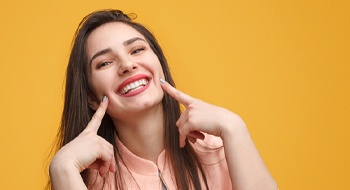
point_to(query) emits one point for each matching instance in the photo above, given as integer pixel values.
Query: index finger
(177, 94)
(96, 119)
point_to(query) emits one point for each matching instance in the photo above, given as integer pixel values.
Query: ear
(93, 104)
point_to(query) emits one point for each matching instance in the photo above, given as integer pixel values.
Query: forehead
(110, 34)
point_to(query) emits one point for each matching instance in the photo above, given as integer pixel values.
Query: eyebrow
(108, 50)
(102, 52)
(132, 40)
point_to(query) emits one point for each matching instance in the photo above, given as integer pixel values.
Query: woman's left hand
(247, 169)
(200, 117)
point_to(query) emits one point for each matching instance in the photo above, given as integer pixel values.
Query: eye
(103, 64)
(137, 50)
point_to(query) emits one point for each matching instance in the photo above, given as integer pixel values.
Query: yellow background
(284, 66)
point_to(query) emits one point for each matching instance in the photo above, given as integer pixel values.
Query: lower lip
(136, 92)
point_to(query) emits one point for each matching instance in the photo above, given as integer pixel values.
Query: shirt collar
(137, 164)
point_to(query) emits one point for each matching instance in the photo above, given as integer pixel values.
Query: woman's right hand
(87, 150)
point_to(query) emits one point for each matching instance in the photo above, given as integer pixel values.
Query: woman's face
(124, 68)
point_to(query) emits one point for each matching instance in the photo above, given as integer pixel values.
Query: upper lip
(131, 80)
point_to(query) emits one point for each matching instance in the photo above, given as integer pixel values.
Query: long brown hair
(185, 163)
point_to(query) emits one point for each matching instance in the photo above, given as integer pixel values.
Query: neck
(143, 134)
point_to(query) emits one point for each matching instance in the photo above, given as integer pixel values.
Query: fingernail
(162, 81)
(104, 98)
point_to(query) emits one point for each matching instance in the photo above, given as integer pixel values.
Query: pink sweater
(143, 174)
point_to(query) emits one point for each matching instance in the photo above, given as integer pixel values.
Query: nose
(126, 67)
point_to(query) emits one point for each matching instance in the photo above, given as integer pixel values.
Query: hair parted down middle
(76, 115)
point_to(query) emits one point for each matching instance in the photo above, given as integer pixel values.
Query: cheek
(159, 70)
(99, 83)
(162, 76)
(155, 65)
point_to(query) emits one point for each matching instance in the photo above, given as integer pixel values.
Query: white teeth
(133, 86)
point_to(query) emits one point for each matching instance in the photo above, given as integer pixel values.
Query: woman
(122, 127)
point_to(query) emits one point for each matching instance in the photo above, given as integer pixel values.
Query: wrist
(233, 127)
(64, 175)
(61, 167)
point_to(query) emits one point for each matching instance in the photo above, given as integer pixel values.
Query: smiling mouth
(133, 86)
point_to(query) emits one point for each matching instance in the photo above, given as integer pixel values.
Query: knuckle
(95, 139)
(177, 93)
(86, 133)
(177, 123)
(181, 130)
(191, 121)
(184, 131)
(110, 147)
(95, 116)
(195, 102)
